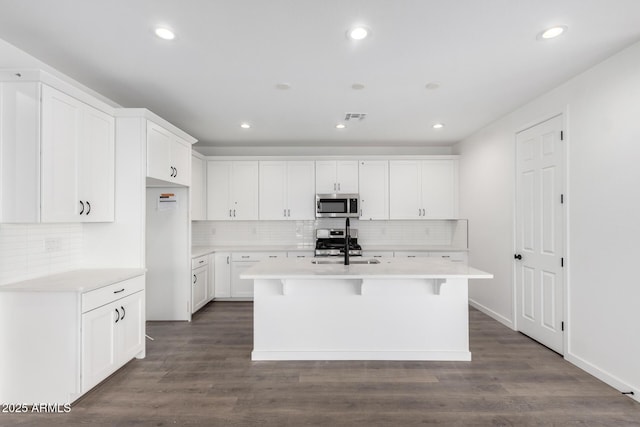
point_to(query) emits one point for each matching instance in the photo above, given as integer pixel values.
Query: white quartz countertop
(74, 281)
(397, 268)
(197, 251)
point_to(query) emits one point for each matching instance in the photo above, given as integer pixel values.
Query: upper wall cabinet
(374, 189)
(232, 190)
(423, 189)
(57, 157)
(198, 188)
(168, 156)
(336, 176)
(287, 190)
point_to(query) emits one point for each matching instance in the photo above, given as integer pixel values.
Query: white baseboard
(603, 376)
(360, 355)
(500, 318)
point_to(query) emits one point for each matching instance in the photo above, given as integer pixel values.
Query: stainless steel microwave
(337, 206)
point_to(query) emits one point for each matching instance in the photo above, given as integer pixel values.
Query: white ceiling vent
(354, 116)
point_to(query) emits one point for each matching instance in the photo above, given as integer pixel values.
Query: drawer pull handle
(118, 313)
(123, 313)
(117, 292)
(195, 279)
(246, 256)
(201, 261)
(81, 210)
(273, 256)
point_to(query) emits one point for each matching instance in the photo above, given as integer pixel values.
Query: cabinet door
(347, 176)
(241, 288)
(96, 181)
(211, 278)
(130, 328)
(272, 192)
(198, 288)
(404, 189)
(98, 345)
(198, 195)
(244, 189)
(158, 153)
(222, 274)
(180, 155)
(374, 189)
(61, 127)
(326, 177)
(218, 187)
(439, 189)
(300, 190)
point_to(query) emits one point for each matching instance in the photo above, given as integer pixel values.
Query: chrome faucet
(347, 238)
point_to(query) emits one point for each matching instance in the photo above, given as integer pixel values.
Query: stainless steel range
(330, 242)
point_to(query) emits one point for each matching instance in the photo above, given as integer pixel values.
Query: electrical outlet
(52, 245)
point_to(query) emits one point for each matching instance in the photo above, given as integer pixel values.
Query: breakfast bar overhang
(395, 309)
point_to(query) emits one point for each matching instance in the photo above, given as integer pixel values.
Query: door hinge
(561, 262)
(562, 199)
(561, 135)
(562, 326)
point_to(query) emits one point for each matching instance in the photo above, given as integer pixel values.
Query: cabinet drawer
(452, 256)
(107, 294)
(410, 254)
(200, 261)
(256, 256)
(301, 254)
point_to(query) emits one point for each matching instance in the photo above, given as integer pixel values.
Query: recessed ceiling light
(552, 32)
(438, 126)
(165, 33)
(245, 125)
(358, 33)
(432, 85)
(357, 86)
(283, 86)
(341, 126)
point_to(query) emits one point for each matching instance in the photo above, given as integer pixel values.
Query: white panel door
(404, 189)
(218, 190)
(61, 128)
(97, 166)
(439, 189)
(300, 190)
(158, 153)
(273, 190)
(244, 189)
(180, 156)
(539, 233)
(98, 345)
(199, 287)
(347, 176)
(130, 327)
(326, 177)
(374, 189)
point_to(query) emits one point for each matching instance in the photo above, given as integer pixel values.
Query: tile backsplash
(32, 250)
(396, 233)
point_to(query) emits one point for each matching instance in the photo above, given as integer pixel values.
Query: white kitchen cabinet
(374, 189)
(232, 190)
(211, 277)
(199, 282)
(240, 262)
(336, 176)
(65, 333)
(222, 274)
(423, 189)
(58, 157)
(286, 190)
(198, 189)
(168, 156)
(112, 334)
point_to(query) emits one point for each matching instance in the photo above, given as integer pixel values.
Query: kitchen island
(382, 309)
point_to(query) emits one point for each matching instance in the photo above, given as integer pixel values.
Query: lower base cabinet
(58, 344)
(111, 336)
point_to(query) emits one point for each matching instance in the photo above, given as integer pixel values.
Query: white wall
(602, 114)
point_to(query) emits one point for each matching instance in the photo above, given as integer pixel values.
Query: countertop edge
(79, 280)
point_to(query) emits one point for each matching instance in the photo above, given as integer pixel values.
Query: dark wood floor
(200, 373)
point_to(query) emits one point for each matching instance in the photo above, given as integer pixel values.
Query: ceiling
(228, 56)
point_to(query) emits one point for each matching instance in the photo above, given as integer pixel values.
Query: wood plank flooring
(200, 373)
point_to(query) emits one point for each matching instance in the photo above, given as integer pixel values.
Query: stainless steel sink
(340, 260)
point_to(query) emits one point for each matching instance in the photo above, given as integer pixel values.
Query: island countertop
(388, 268)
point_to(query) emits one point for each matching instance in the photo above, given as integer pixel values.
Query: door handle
(118, 313)
(123, 313)
(517, 256)
(229, 212)
(88, 208)
(195, 279)
(338, 186)
(288, 212)
(81, 210)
